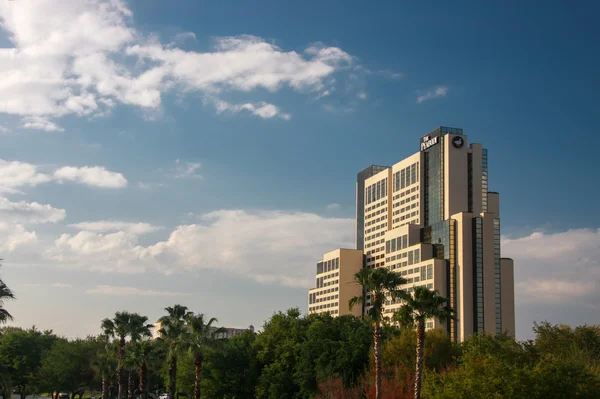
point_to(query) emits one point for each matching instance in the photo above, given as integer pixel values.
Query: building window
(410, 257)
(417, 255)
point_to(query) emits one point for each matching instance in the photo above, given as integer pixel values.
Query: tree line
(303, 356)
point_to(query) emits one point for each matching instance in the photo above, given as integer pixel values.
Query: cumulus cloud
(22, 212)
(4, 130)
(95, 176)
(333, 206)
(261, 109)
(41, 123)
(13, 236)
(85, 58)
(555, 268)
(112, 225)
(114, 290)
(437, 92)
(268, 246)
(17, 174)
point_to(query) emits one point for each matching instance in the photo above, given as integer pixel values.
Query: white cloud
(557, 267)
(113, 225)
(362, 95)
(61, 285)
(333, 206)
(17, 174)
(41, 123)
(84, 58)
(4, 130)
(268, 247)
(96, 176)
(439, 91)
(114, 290)
(28, 212)
(185, 170)
(261, 109)
(13, 236)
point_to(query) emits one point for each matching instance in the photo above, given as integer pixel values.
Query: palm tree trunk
(419, 365)
(198, 364)
(130, 385)
(377, 348)
(120, 376)
(143, 372)
(104, 386)
(172, 377)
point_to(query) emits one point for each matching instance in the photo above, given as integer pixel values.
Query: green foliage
(334, 347)
(560, 363)
(439, 351)
(67, 367)
(377, 282)
(21, 353)
(233, 369)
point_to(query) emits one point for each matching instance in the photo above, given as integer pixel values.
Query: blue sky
(196, 118)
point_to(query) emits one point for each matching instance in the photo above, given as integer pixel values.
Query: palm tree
(137, 330)
(5, 293)
(201, 337)
(118, 327)
(378, 282)
(140, 356)
(173, 331)
(105, 365)
(424, 304)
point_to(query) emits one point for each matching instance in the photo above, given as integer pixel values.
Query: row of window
(326, 305)
(406, 177)
(402, 202)
(313, 296)
(381, 226)
(371, 215)
(396, 244)
(413, 256)
(375, 206)
(403, 193)
(321, 283)
(376, 191)
(313, 299)
(379, 219)
(408, 208)
(332, 311)
(398, 220)
(328, 265)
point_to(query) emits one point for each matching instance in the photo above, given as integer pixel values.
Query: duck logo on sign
(427, 141)
(457, 141)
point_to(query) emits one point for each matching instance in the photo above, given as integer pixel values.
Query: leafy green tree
(399, 352)
(424, 304)
(173, 332)
(201, 336)
(21, 353)
(68, 366)
(278, 350)
(489, 367)
(377, 282)
(335, 347)
(233, 369)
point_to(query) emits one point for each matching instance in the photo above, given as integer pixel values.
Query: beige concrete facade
(335, 284)
(436, 209)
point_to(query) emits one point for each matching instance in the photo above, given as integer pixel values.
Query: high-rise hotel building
(431, 218)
